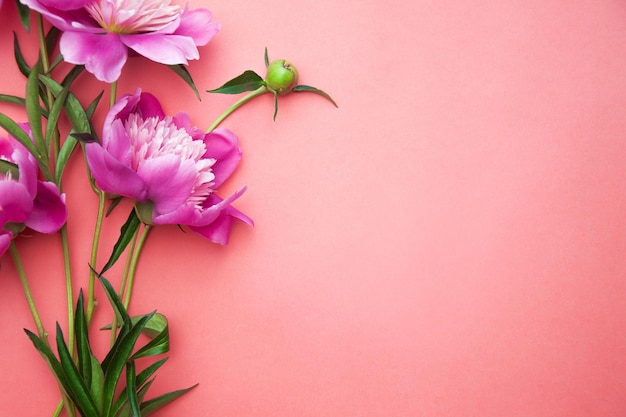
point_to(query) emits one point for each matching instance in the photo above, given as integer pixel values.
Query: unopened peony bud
(282, 76)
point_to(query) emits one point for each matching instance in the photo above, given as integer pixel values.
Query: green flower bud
(282, 76)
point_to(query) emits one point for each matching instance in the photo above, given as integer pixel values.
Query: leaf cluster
(92, 386)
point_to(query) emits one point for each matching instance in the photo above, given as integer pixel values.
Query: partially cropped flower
(168, 167)
(100, 33)
(26, 201)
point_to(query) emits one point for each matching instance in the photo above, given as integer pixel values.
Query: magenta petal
(103, 55)
(5, 241)
(49, 211)
(16, 203)
(197, 25)
(169, 181)
(182, 215)
(149, 106)
(165, 49)
(65, 4)
(112, 176)
(218, 231)
(221, 144)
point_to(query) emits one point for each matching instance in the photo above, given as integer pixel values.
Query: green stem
(243, 100)
(68, 288)
(45, 67)
(95, 244)
(41, 331)
(113, 94)
(120, 293)
(133, 265)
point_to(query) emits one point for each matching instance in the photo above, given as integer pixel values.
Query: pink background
(449, 242)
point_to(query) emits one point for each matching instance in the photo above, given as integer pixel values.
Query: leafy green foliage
(247, 81)
(183, 73)
(93, 386)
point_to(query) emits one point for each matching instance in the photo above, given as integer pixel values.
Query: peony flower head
(26, 201)
(100, 33)
(170, 168)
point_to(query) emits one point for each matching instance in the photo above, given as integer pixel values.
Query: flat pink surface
(449, 242)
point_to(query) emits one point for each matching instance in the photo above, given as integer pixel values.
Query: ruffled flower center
(152, 138)
(133, 16)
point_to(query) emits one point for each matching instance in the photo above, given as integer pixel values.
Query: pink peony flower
(99, 33)
(26, 201)
(168, 167)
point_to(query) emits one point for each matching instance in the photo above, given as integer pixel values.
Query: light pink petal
(112, 176)
(118, 144)
(103, 55)
(165, 49)
(120, 108)
(16, 203)
(5, 241)
(221, 144)
(49, 210)
(197, 25)
(169, 181)
(182, 121)
(183, 214)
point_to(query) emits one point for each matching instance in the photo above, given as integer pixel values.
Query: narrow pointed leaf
(115, 301)
(76, 387)
(97, 382)
(18, 133)
(24, 13)
(127, 233)
(55, 112)
(122, 352)
(69, 144)
(247, 81)
(33, 109)
(19, 58)
(160, 342)
(46, 353)
(162, 400)
(183, 73)
(74, 110)
(83, 349)
(131, 387)
(6, 98)
(301, 88)
(121, 408)
(266, 58)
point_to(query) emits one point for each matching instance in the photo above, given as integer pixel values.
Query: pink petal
(197, 25)
(112, 176)
(103, 55)
(169, 181)
(218, 231)
(183, 214)
(165, 49)
(65, 4)
(5, 241)
(16, 203)
(221, 144)
(49, 211)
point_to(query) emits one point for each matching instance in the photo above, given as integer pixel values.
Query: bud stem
(243, 100)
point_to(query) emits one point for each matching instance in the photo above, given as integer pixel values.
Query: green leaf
(19, 58)
(131, 388)
(45, 351)
(115, 301)
(24, 13)
(69, 144)
(247, 81)
(301, 88)
(83, 348)
(127, 234)
(157, 330)
(266, 58)
(162, 400)
(33, 109)
(97, 382)
(183, 73)
(18, 133)
(76, 388)
(7, 167)
(116, 359)
(55, 112)
(74, 110)
(12, 99)
(121, 408)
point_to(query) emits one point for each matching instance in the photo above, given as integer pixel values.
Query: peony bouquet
(142, 151)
